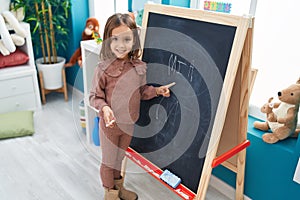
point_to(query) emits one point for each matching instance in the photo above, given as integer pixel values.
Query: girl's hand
(163, 90)
(108, 116)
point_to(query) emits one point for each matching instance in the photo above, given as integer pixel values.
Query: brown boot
(111, 194)
(123, 193)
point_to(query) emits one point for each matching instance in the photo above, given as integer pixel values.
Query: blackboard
(174, 133)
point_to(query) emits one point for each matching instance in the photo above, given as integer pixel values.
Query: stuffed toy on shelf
(90, 31)
(10, 20)
(282, 116)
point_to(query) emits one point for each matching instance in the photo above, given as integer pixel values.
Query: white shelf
(20, 89)
(90, 51)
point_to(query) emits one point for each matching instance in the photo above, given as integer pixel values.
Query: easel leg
(243, 118)
(239, 193)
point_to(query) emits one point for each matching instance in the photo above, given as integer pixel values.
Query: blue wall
(79, 15)
(182, 3)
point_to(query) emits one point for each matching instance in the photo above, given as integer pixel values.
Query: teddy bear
(8, 42)
(91, 28)
(282, 116)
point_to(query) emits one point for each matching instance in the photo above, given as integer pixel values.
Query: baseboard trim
(224, 188)
(74, 91)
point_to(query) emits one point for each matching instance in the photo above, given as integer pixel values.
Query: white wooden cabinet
(19, 89)
(90, 51)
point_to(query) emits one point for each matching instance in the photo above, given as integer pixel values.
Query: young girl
(118, 85)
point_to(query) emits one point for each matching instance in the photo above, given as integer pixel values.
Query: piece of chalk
(110, 123)
(170, 178)
(170, 85)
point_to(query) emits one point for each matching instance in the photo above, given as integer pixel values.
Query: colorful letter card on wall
(236, 7)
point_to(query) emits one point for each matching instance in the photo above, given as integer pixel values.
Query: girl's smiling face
(121, 41)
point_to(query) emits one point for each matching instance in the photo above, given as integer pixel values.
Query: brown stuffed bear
(283, 123)
(91, 27)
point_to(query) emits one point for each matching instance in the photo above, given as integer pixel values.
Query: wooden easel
(231, 152)
(63, 89)
(229, 135)
(234, 134)
(233, 159)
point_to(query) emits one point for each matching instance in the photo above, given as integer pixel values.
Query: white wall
(276, 51)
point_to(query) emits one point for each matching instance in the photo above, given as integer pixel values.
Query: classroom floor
(56, 164)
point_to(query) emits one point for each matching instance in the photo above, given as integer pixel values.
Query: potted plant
(48, 22)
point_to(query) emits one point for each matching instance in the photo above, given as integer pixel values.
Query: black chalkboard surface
(173, 132)
(200, 52)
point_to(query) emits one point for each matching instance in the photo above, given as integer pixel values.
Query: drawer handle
(14, 87)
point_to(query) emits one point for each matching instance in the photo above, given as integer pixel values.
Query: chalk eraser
(170, 178)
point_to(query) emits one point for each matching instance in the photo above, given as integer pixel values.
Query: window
(102, 9)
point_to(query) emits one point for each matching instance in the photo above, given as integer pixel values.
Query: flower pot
(52, 73)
